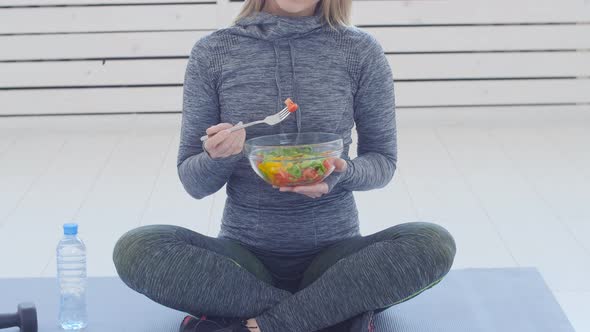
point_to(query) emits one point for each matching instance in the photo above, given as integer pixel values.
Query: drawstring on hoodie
(298, 113)
(279, 93)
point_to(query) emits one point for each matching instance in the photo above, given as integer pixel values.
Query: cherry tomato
(279, 180)
(310, 174)
(291, 106)
(282, 178)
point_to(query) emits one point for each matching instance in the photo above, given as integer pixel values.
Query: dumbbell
(25, 318)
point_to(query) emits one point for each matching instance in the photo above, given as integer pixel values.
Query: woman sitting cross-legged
(287, 259)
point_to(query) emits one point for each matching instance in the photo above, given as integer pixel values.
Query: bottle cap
(70, 229)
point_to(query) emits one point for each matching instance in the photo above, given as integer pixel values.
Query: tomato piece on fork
(291, 106)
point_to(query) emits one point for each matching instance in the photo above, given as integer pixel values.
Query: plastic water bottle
(71, 274)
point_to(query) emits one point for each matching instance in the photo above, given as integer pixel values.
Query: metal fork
(270, 120)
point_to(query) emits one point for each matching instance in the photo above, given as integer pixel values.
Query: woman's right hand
(221, 143)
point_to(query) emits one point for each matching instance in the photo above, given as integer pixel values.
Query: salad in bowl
(297, 159)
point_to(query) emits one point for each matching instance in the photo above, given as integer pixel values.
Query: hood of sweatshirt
(266, 26)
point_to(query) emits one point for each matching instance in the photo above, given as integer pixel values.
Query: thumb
(340, 165)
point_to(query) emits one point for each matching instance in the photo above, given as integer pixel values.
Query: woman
(286, 259)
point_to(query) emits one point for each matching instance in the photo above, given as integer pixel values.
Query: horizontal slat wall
(394, 40)
(405, 67)
(200, 16)
(89, 101)
(409, 94)
(510, 38)
(105, 56)
(98, 45)
(108, 18)
(490, 65)
(378, 12)
(453, 12)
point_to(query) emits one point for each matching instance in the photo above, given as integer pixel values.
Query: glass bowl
(297, 159)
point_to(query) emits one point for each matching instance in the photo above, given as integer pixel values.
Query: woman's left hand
(317, 190)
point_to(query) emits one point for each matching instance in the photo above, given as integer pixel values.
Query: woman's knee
(432, 238)
(133, 248)
(441, 241)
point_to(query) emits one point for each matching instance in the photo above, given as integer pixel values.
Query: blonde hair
(334, 12)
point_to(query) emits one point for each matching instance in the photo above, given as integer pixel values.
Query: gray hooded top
(338, 78)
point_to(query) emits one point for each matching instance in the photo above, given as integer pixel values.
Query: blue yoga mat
(472, 300)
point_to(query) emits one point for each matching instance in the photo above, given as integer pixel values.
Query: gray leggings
(201, 275)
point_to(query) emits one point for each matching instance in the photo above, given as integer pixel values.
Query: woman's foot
(245, 326)
(236, 327)
(252, 325)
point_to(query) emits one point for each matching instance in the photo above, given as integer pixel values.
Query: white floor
(512, 186)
